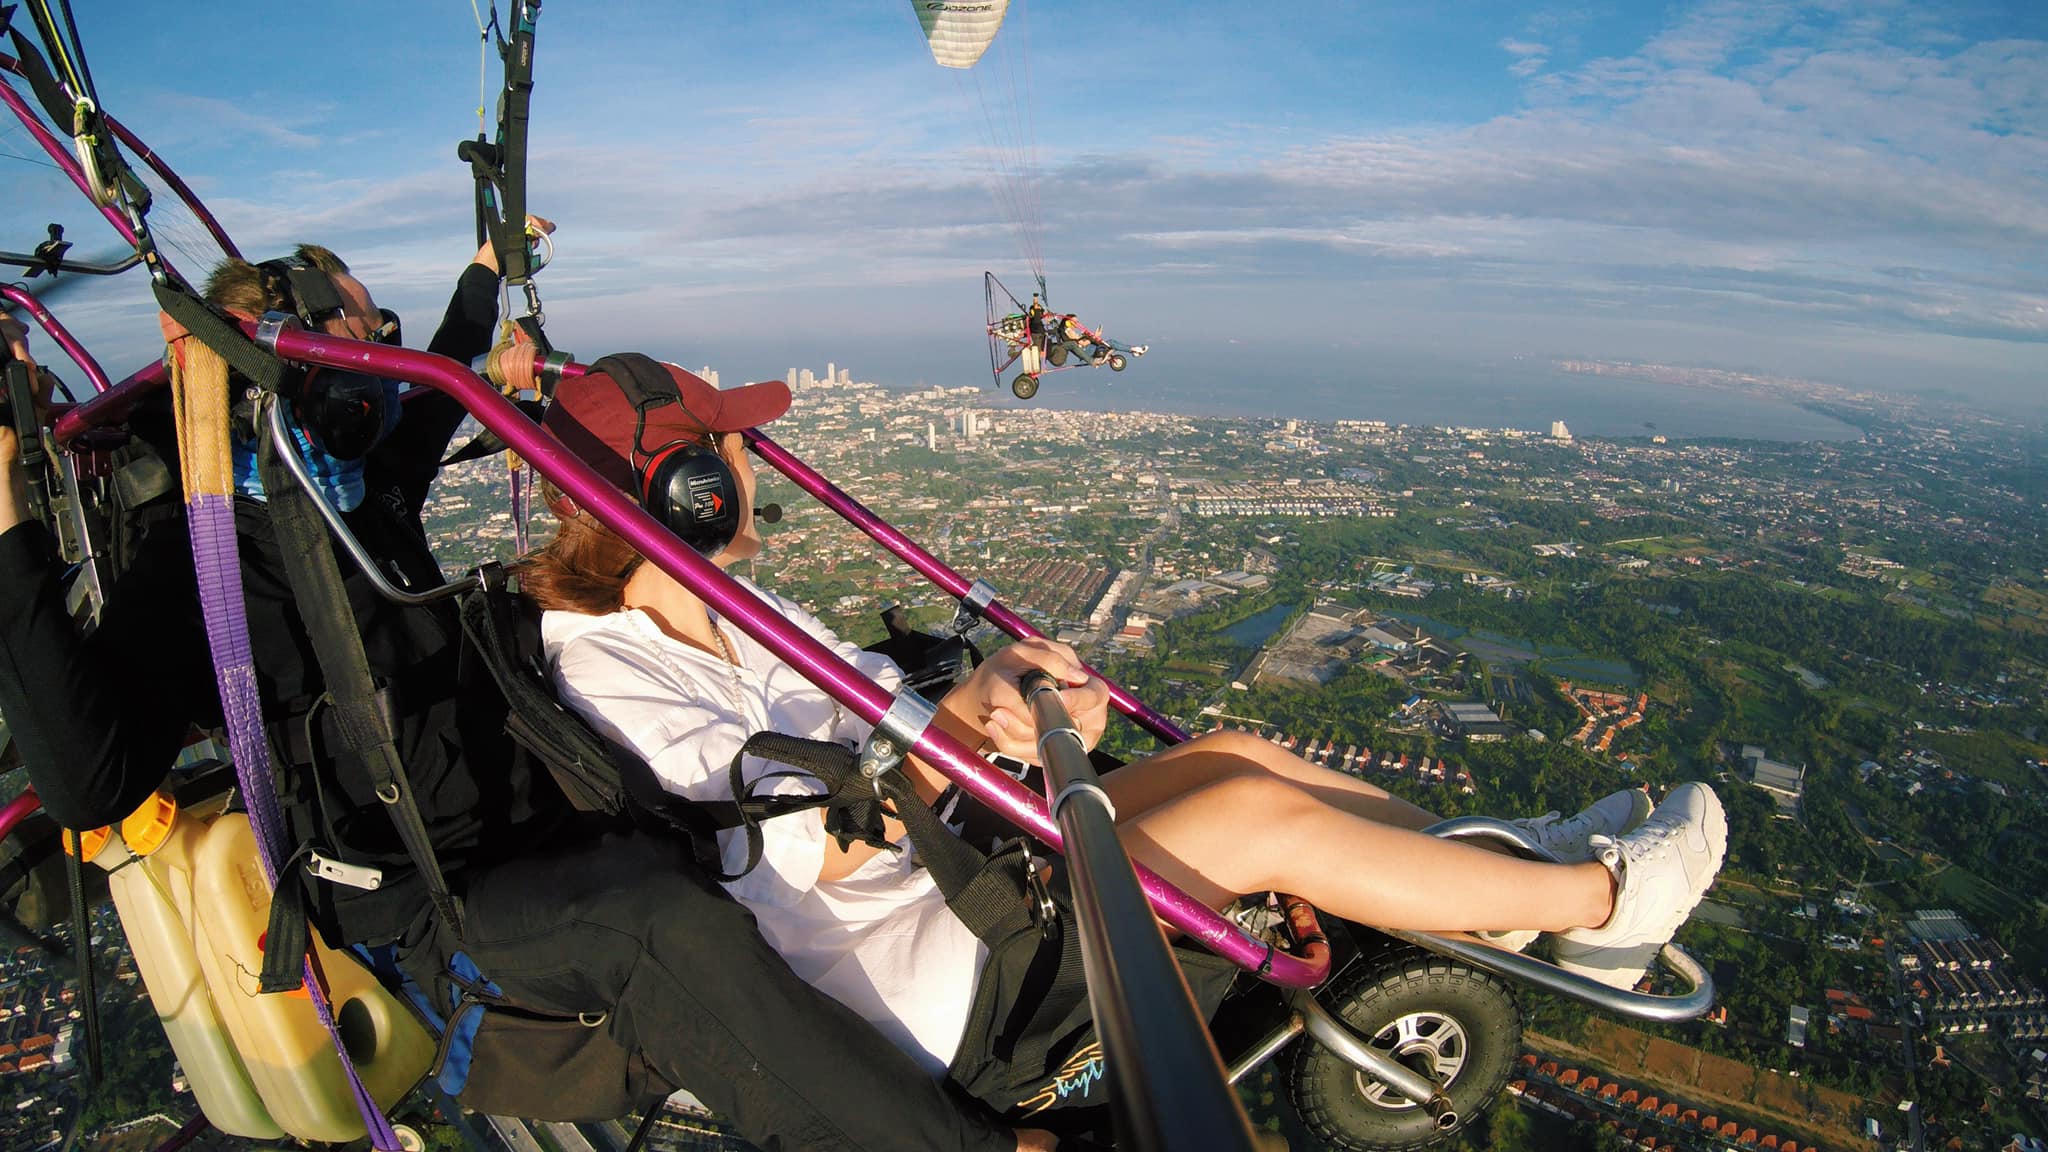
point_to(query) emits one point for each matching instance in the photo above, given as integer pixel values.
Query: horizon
(1850, 195)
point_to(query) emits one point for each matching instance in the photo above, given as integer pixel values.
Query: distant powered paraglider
(961, 34)
(1039, 340)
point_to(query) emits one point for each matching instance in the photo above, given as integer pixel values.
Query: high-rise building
(931, 435)
(709, 375)
(790, 379)
(1559, 432)
(831, 376)
(846, 375)
(805, 379)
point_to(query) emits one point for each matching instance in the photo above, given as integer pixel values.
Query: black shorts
(1030, 1045)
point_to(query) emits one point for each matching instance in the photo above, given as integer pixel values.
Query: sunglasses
(388, 330)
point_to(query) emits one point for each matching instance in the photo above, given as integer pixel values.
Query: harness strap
(199, 394)
(595, 773)
(362, 714)
(88, 988)
(225, 339)
(640, 377)
(987, 896)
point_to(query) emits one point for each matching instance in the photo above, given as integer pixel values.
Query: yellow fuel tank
(289, 1057)
(153, 895)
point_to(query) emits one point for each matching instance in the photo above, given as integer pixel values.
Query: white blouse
(881, 941)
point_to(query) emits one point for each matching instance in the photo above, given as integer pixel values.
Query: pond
(1253, 631)
(1594, 671)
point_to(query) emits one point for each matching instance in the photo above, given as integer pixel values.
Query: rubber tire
(1058, 356)
(1325, 1089)
(1024, 386)
(1116, 362)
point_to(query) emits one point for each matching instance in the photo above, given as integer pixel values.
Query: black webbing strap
(362, 714)
(88, 983)
(647, 1122)
(595, 773)
(40, 79)
(641, 378)
(489, 443)
(214, 329)
(986, 894)
(515, 104)
(289, 931)
(57, 96)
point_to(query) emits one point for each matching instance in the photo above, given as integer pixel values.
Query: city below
(1848, 638)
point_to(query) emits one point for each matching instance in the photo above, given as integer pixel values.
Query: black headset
(343, 411)
(685, 484)
(307, 290)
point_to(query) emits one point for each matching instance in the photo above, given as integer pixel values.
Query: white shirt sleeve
(847, 728)
(683, 724)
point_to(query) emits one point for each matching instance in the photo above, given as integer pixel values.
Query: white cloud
(1529, 56)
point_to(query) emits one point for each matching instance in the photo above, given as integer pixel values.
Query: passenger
(566, 913)
(648, 662)
(1070, 337)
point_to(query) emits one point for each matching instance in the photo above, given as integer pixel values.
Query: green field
(1999, 756)
(1971, 894)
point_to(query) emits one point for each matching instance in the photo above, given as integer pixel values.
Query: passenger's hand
(535, 226)
(992, 701)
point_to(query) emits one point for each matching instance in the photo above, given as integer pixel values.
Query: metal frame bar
(818, 664)
(25, 300)
(934, 570)
(68, 163)
(1172, 1088)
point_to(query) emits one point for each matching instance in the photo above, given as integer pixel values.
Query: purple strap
(216, 563)
(522, 488)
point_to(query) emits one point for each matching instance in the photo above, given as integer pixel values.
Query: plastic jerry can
(1029, 359)
(153, 895)
(289, 1055)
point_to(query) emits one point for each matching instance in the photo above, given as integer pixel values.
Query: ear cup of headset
(345, 412)
(692, 491)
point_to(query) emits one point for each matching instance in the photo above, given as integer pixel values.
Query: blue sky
(1842, 190)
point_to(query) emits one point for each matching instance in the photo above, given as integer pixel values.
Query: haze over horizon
(1848, 192)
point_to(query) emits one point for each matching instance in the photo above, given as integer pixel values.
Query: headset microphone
(768, 513)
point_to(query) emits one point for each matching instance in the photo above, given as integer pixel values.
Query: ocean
(1526, 394)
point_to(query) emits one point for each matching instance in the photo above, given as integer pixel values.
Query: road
(514, 1133)
(1902, 1004)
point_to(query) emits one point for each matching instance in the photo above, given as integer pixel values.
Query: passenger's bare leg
(1254, 833)
(1142, 785)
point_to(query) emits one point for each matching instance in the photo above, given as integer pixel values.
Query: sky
(1851, 192)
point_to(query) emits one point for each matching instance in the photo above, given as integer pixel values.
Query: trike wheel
(1448, 1021)
(1024, 386)
(1116, 362)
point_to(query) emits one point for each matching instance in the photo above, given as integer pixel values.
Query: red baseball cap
(594, 418)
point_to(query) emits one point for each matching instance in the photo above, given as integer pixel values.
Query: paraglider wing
(959, 30)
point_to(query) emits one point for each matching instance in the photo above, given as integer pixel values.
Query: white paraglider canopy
(960, 30)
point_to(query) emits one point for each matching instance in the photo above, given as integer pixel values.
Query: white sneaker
(1663, 868)
(1571, 842)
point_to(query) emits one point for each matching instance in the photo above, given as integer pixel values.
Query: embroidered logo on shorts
(1075, 1081)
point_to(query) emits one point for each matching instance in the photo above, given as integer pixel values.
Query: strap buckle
(360, 876)
(1039, 894)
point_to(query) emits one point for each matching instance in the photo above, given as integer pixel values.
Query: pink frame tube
(18, 809)
(111, 406)
(69, 165)
(932, 569)
(27, 302)
(818, 664)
